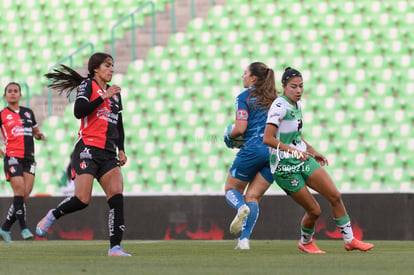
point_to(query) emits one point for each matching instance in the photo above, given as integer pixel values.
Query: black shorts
(14, 167)
(92, 160)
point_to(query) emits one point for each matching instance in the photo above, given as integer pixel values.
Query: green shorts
(291, 174)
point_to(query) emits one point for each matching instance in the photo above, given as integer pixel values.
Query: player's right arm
(83, 107)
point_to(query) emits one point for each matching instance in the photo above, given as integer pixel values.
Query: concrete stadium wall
(374, 216)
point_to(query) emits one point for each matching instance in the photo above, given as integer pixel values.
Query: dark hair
(66, 79)
(12, 83)
(265, 85)
(290, 73)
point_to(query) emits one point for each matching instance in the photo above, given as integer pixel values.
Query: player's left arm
(316, 155)
(121, 141)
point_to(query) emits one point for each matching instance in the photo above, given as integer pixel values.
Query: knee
(315, 212)
(335, 198)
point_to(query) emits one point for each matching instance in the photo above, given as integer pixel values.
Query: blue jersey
(255, 115)
(253, 157)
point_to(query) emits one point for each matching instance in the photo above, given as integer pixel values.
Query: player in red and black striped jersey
(99, 150)
(19, 127)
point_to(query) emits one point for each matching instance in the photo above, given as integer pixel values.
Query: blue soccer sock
(234, 198)
(250, 222)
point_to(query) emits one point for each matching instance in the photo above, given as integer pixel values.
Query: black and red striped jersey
(99, 128)
(17, 129)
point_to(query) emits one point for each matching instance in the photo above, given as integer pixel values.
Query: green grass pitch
(203, 257)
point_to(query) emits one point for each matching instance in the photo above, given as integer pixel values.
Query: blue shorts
(250, 161)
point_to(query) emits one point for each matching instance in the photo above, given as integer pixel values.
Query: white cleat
(243, 244)
(237, 223)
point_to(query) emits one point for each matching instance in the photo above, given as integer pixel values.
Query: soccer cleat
(310, 248)
(43, 226)
(117, 251)
(237, 223)
(359, 245)
(5, 235)
(243, 244)
(26, 234)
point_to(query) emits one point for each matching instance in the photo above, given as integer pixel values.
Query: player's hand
(122, 158)
(1, 153)
(39, 136)
(321, 159)
(114, 89)
(228, 140)
(302, 156)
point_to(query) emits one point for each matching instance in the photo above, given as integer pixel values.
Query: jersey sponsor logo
(83, 165)
(242, 114)
(85, 154)
(21, 131)
(105, 114)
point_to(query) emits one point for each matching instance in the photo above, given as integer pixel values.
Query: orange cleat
(310, 248)
(359, 245)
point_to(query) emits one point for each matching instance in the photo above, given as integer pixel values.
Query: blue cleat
(26, 234)
(117, 251)
(5, 235)
(43, 226)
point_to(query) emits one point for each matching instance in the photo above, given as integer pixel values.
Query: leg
(321, 182)
(234, 189)
(305, 199)
(112, 184)
(83, 191)
(234, 196)
(254, 194)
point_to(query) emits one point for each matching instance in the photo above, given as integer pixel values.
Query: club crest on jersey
(85, 154)
(100, 92)
(27, 114)
(12, 170)
(242, 114)
(83, 165)
(9, 116)
(115, 98)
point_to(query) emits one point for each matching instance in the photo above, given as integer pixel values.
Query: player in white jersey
(295, 165)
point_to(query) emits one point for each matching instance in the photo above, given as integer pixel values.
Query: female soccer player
(101, 134)
(296, 165)
(19, 127)
(251, 167)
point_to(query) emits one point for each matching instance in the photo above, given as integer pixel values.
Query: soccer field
(202, 257)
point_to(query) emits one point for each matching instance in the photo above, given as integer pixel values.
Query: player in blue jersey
(296, 165)
(250, 172)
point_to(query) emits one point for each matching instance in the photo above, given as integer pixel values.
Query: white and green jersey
(288, 120)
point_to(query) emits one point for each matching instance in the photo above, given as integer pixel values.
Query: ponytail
(265, 85)
(64, 80)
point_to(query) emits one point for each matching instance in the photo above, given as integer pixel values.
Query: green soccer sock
(344, 225)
